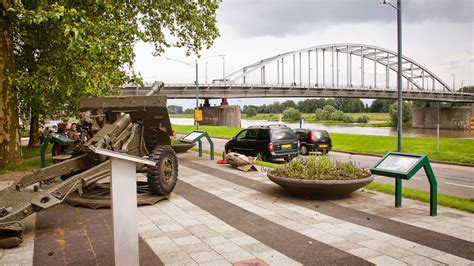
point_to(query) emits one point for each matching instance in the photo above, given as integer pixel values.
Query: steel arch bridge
(363, 71)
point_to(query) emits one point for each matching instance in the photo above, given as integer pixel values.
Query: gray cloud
(280, 17)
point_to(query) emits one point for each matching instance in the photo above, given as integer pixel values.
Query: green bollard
(44, 146)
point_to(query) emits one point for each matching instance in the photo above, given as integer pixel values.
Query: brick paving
(212, 219)
(79, 236)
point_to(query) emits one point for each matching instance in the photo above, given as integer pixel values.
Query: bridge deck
(218, 91)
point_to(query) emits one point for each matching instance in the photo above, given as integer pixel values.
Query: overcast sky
(439, 34)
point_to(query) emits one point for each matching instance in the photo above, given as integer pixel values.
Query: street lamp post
(223, 66)
(197, 92)
(454, 82)
(196, 82)
(399, 72)
(206, 73)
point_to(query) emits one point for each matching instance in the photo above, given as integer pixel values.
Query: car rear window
(320, 134)
(283, 133)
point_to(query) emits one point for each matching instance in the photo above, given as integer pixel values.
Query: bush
(320, 115)
(347, 118)
(320, 168)
(291, 114)
(363, 119)
(336, 115)
(407, 113)
(250, 112)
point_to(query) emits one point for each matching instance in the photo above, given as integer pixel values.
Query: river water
(351, 129)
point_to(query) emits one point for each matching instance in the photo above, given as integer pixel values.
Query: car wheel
(261, 157)
(304, 150)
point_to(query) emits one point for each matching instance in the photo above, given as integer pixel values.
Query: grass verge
(26, 165)
(451, 149)
(410, 193)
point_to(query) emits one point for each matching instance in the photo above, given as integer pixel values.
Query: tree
(291, 114)
(67, 50)
(407, 114)
(10, 151)
(250, 112)
(380, 106)
(189, 111)
(175, 109)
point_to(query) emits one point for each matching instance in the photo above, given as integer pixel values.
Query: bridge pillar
(224, 102)
(224, 115)
(457, 118)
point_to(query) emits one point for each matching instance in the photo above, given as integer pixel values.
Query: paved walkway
(218, 215)
(453, 180)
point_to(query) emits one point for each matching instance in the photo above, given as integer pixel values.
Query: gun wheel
(163, 176)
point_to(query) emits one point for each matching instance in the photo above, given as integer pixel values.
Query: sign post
(196, 136)
(404, 166)
(124, 204)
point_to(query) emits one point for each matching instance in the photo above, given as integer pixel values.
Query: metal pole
(324, 67)
(437, 132)
(278, 71)
(423, 79)
(309, 68)
(300, 71)
(317, 63)
(294, 70)
(454, 83)
(350, 70)
(332, 65)
(223, 68)
(197, 93)
(387, 74)
(348, 65)
(206, 73)
(337, 67)
(282, 71)
(375, 68)
(399, 74)
(362, 66)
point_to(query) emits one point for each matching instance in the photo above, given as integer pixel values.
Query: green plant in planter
(175, 141)
(320, 168)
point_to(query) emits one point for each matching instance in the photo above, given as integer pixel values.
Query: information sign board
(196, 136)
(404, 166)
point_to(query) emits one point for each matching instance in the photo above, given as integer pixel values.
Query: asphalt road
(452, 179)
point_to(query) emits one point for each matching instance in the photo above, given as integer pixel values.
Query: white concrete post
(124, 211)
(124, 204)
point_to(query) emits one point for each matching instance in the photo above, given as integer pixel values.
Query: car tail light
(311, 136)
(270, 147)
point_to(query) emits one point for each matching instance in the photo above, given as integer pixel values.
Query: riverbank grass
(451, 149)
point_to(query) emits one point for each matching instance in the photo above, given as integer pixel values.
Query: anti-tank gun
(136, 125)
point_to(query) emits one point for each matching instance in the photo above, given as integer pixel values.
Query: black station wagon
(266, 142)
(313, 140)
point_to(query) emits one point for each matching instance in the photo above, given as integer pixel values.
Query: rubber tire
(305, 149)
(228, 150)
(156, 184)
(261, 157)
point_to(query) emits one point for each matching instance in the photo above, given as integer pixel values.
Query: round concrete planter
(320, 188)
(182, 147)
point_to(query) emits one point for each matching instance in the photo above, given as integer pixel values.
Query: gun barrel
(155, 88)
